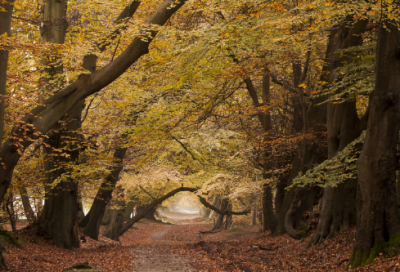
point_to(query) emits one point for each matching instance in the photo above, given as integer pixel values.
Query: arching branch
(223, 212)
(150, 207)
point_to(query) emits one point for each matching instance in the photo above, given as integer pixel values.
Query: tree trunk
(216, 203)
(398, 187)
(80, 214)
(270, 221)
(60, 211)
(228, 219)
(107, 215)
(151, 214)
(5, 27)
(129, 209)
(378, 216)
(338, 203)
(11, 212)
(254, 215)
(117, 209)
(30, 215)
(92, 220)
(220, 218)
(289, 195)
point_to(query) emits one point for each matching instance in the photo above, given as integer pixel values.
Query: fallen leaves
(241, 249)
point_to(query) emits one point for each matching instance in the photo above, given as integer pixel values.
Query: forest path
(156, 257)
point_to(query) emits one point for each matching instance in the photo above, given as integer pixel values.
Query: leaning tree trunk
(378, 217)
(30, 215)
(338, 204)
(92, 220)
(152, 206)
(107, 215)
(117, 210)
(130, 206)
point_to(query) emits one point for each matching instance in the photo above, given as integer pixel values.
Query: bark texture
(30, 215)
(60, 211)
(92, 220)
(117, 209)
(5, 27)
(338, 204)
(378, 217)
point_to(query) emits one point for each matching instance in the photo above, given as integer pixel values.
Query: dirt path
(155, 257)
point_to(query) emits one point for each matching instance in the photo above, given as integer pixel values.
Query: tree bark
(42, 118)
(11, 212)
(60, 210)
(216, 203)
(220, 218)
(5, 27)
(129, 209)
(117, 209)
(378, 216)
(92, 220)
(254, 215)
(30, 215)
(338, 203)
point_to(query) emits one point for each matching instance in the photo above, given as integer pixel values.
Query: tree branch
(140, 186)
(187, 150)
(151, 206)
(223, 212)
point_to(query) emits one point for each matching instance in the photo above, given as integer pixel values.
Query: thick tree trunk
(216, 203)
(92, 220)
(129, 209)
(60, 211)
(398, 186)
(107, 215)
(378, 216)
(270, 221)
(5, 27)
(220, 218)
(338, 203)
(80, 214)
(30, 215)
(151, 215)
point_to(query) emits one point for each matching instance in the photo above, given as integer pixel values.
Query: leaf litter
(239, 249)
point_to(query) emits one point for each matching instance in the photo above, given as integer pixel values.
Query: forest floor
(154, 246)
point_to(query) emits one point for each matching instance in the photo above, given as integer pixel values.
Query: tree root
(365, 257)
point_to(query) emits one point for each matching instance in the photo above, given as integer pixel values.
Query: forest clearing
(199, 135)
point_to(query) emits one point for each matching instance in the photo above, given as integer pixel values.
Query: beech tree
(377, 211)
